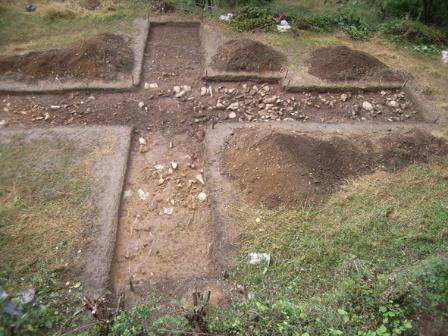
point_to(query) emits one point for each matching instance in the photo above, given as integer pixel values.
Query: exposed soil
(341, 63)
(286, 169)
(103, 56)
(247, 55)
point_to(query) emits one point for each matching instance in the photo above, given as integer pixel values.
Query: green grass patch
(54, 27)
(361, 265)
(44, 191)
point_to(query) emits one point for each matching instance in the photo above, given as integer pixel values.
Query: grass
(56, 24)
(43, 201)
(371, 261)
(44, 215)
(333, 265)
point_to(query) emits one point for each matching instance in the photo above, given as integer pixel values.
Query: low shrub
(249, 18)
(423, 38)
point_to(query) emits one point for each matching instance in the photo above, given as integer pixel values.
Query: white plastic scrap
(259, 258)
(445, 56)
(283, 26)
(226, 17)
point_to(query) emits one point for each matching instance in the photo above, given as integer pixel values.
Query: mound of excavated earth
(247, 55)
(103, 56)
(340, 63)
(286, 169)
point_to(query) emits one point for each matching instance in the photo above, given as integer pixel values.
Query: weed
(419, 36)
(249, 18)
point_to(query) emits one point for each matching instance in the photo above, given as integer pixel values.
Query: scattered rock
(367, 106)
(200, 178)
(142, 194)
(234, 106)
(232, 115)
(202, 196)
(393, 104)
(168, 211)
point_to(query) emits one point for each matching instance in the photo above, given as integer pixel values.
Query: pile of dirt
(278, 169)
(340, 63)
(103, 56)
(247, 55)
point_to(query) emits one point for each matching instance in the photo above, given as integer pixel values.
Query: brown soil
(103, 56)
(344, 64)
(289, 169)
(247, 55)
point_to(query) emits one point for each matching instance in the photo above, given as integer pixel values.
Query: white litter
(159, 167)
(259, 258)
(283, 26)
(174, 165)
(142, 141)
(445, 56)
(226, 17)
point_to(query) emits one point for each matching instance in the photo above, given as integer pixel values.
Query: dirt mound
(247, 55)
(278, 169)
(344, 64)
(103, 56)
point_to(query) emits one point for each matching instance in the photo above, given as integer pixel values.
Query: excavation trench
(165, 234)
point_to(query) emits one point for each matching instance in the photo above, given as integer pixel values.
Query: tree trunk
(427, 11)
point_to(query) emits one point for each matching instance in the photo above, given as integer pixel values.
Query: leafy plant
(356, 27)
(250, 18)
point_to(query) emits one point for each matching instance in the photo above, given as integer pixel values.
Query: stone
(367, 106)
(153, 86)
(202, 196)
(168, 211)
(204, 91)
(344, 97)
(3, 123)
(220, 106)
(146, 86)
(234, 106)
(141, 104)
(269, 100)
(232, 115)
(142, 194)
(392, 103)
(200, 178)
(174, 165)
